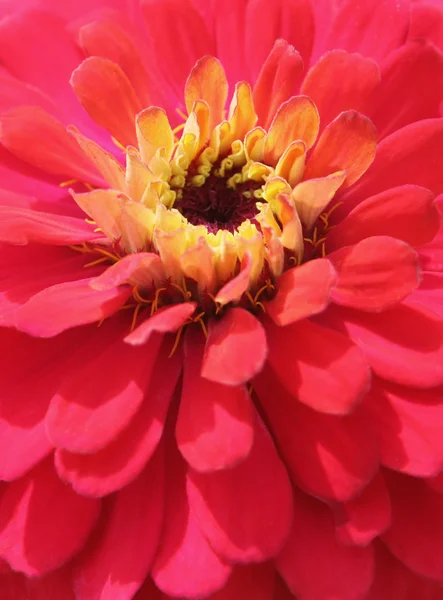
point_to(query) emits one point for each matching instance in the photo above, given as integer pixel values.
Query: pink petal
(142, 268)
(348, 143)
(408, 426)
(166, 320)
(187, 30)
(341, 81)
(410, 354)
(123, 459)
(67, 305)
(107, 94)
(315, 565)
(330, 457)
(16, 92)
(407, 212)
(230, 24)
(411, 155)
(119, 561)
(320, 367)
(416, 533)
(398, 103)
(21, 226)
(104, 393)
(291, 20)
(236, 348)
(245, 512)
(33, 539)
(302, 292)
(215, 422)
(371, 29)
(277, 81)
(375, 274)
(364, 518)
(185, 564)
(36, 137)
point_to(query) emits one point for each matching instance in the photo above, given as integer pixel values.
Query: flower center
(216, 205)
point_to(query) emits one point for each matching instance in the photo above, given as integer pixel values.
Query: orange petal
(208, 82)
(348, 143)
(198, 264)
(296, 119)
(277, 81)
(112, 171)
(242, 116)
(292, 234)
(255, 144)
(291, 164)
(154, 132)
(312, 196)
(108, 96)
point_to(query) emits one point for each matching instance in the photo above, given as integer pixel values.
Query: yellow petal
(208, 82)
(154, 132)
(311, 197)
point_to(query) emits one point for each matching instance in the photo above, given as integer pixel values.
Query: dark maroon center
(216, 206)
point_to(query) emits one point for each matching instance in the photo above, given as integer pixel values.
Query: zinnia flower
(221, 300)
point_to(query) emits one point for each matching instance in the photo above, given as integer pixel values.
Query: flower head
(222, 318)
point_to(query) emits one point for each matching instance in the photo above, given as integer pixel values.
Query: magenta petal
(33, 539)
(245, 512)
(67, 305)
(122, 460)
(236, 348)
(215, 422)
(120, 555)
(320, 367)
(409, 355)
(315, 565)
(251, 581)
(185, 565)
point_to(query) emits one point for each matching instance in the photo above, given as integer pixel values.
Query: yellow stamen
(154, 307)
(181, 114)
(138, 297)
(68, 183)
(177, 340)
(96, 262)
(185, 293)
(135, 315)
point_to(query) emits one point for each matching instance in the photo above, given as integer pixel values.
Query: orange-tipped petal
(296, 119)
(242, 116)
(277, 81)
(154, 132)
(208, 82)
(198, 264)
(348, 143)
(234, 289)
(312, 196)
(107, 94)
(111, 170)
(291, 164)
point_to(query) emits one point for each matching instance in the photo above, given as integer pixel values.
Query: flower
(221, 317)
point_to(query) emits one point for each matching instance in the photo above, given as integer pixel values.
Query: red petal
(67, 305)
(245, 512)
(331, 457)
(302, 292)
(277, 81)
(106, 93)
(118, 463)
(215, 422)
(411, 155)
(398, 103)
(291, 20)
(116, 565)
(250, 581)
(185, 564)
(99, 400)
(430, 293)
(416, 533)
(315, 565)
(320, 367)
(187, 30)
(142, 268)
(407, 212)
(375, 274)
(408, 426)
(33, 539)
(36, 137)
(341, 81)
(165, 320)
(236, 348)
(371, 29)
(403, 344)
(21, 226)
(348, 143)
(364, 518)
